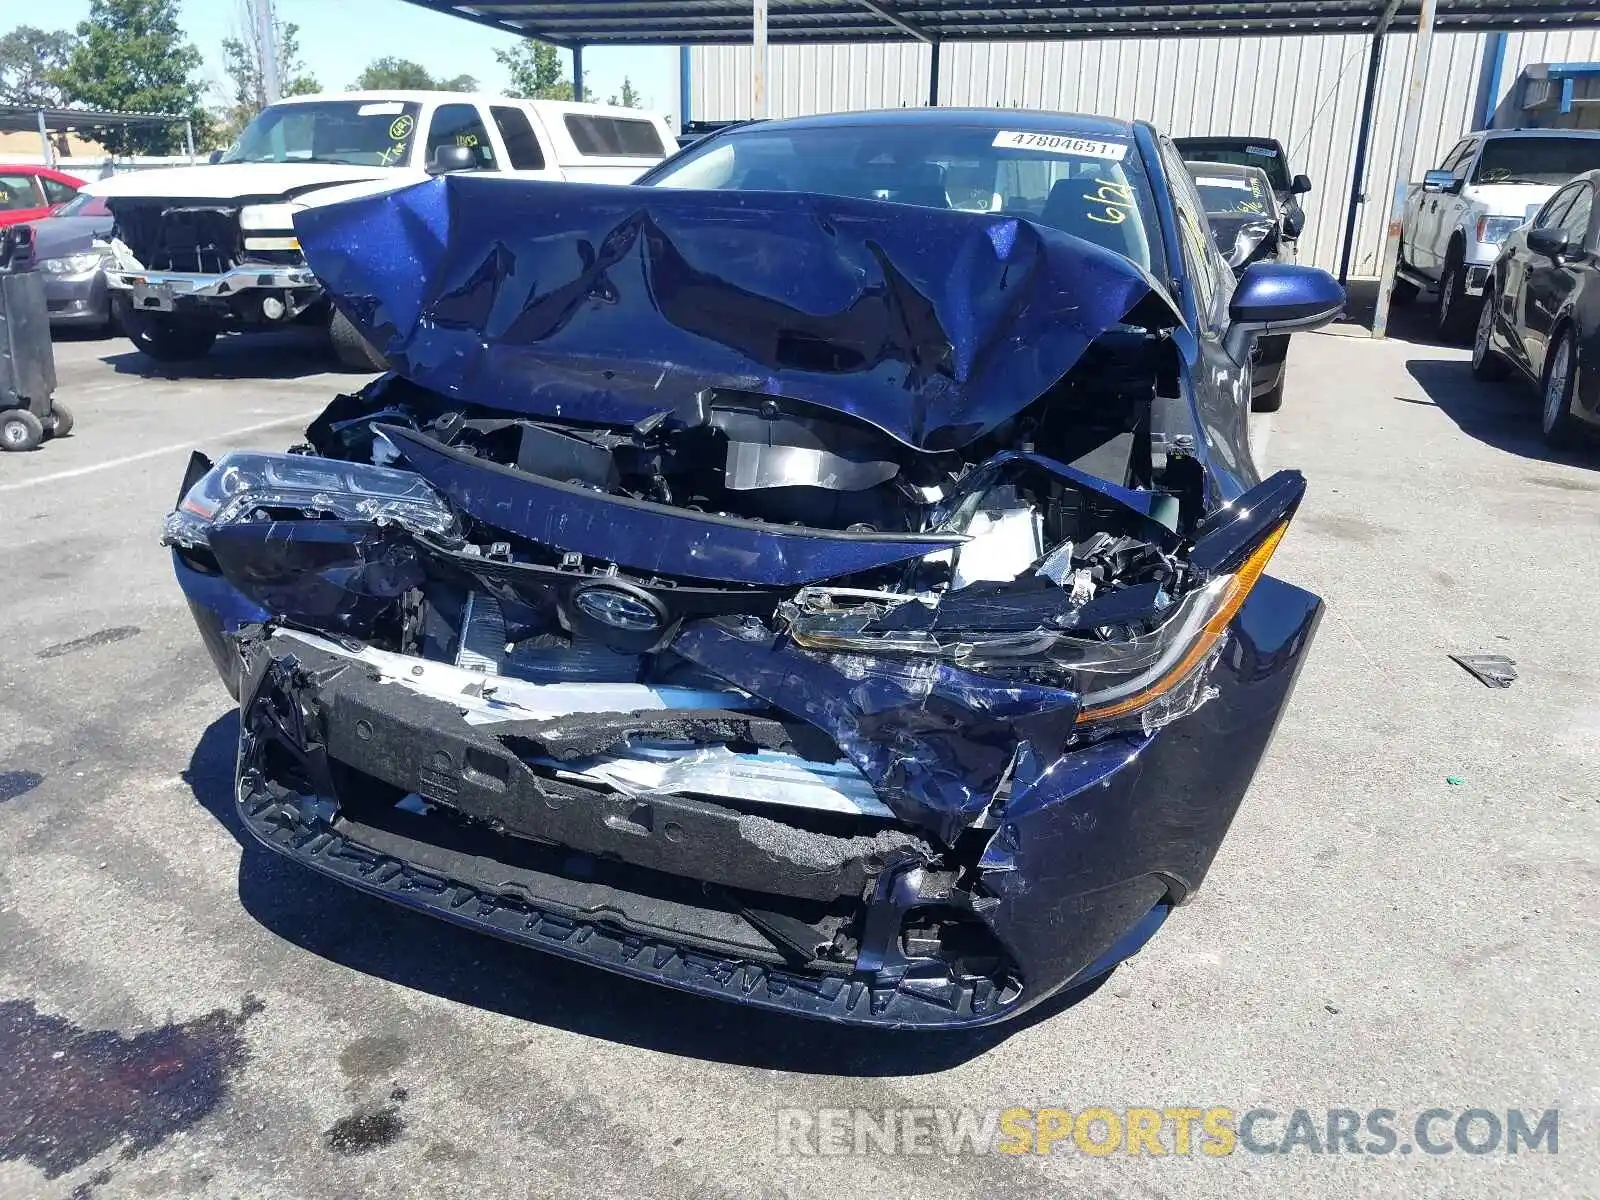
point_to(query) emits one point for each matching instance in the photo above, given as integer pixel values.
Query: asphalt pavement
(1400, 918)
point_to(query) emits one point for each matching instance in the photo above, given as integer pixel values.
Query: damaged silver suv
(828, 576)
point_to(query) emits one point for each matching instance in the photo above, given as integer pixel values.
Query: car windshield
(1234, 195)
(1091, 186)
(82, 205)
(364, 133)
(1536, 160)
(1263, 155)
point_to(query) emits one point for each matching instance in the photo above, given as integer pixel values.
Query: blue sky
(339, 37)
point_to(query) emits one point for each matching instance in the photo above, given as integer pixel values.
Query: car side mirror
(452, 158)
(1551, 242)
(214, 157)
(1439, 181)
(1293, 223)
(1300, 185)
(1278, 298)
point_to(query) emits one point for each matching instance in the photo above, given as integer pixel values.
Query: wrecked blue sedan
(828, 576)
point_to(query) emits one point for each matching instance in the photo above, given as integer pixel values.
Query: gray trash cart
(28, 412)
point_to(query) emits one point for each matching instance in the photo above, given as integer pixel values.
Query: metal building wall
(1305, 91)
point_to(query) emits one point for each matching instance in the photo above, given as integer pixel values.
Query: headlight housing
(74, 264)
(1494, 230)
(1138, 675)
(248, 486)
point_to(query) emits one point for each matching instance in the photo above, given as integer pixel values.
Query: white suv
(1491, 183)
(202, 250)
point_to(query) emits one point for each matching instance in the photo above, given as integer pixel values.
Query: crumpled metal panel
(650, 537)
(615, 304)
(935, 740)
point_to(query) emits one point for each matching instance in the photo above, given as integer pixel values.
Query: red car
(29, 192)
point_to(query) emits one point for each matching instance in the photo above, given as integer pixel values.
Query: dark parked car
(1266, 153)
(1541, 315)
(771, 581)
(72, 251)
(1250, 227)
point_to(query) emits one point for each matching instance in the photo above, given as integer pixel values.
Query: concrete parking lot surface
(1402, 917)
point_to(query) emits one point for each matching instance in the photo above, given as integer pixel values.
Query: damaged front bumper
(412, 791)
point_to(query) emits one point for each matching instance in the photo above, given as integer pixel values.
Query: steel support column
(577, 73)
(758, 60)
(44, 142)
(933, 75)
(1407, 150)
(1358, 174)
(267, 51)
(685, 90)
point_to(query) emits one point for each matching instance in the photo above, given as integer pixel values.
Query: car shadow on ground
(363, 933)
(292, 354)
(1504, 415)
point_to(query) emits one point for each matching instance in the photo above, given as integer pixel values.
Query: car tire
(353, 352)
(20, 430)
(1488, 365)
(1454, 316)
(1557, 421)
(59, 423)
(165, 340)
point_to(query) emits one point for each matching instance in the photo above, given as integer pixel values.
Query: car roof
(423, 96)
(40, 169)
(1239, 170)
(1023, 120)
(1228, 141)
(1501, 134)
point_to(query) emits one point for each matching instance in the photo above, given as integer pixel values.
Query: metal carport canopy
(702, 22)
(578, 23)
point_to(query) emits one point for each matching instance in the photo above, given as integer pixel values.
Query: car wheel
(1454, 315)
(1557, 420)
(352, 350)
(165, 340)
(1487, 363)
(20, 430)
(59, 423)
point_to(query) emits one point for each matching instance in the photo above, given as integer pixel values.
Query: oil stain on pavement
(15, 783)
(365, 1130)
(68, 1094)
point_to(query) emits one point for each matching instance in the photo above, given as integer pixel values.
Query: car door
(1550, 285)
(1449, 208)
(1519, 260)
(529, 153)
(21, 198)
(1421, 221)
(462, 123)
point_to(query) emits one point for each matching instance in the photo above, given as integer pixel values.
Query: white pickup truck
(207, 249)
(1490, 183)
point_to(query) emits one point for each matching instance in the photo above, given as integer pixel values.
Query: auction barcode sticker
(1059, 143)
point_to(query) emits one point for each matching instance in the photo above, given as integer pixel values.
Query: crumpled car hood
(618, 304)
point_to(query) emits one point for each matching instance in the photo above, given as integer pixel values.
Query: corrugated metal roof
(16, 118)
(676, 22)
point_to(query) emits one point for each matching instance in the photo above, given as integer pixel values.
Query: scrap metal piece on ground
(1492, 670)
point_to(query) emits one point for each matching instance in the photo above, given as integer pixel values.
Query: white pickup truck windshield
(362, 133)
(1536, 160)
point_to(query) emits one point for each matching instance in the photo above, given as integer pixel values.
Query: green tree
(391, 74)
(536, 71)
(242, 61)
(131, 56)
(629, 98)
(30, 58)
